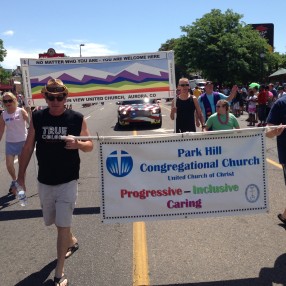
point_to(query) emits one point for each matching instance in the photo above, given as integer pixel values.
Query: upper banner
(183, 176)
(99, 79)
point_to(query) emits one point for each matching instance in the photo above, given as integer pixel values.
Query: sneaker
(259, 124)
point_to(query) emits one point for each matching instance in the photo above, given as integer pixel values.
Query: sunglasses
(58, 98)
(184, 84)
(8, 100)
(55, 88)
(218, 106)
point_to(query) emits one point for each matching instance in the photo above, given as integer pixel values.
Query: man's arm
(274, 131)
(83, 145)
(173, 110)
(232, 93)
(199, 113)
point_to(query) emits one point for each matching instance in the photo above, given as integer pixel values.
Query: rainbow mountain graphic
(83, 81)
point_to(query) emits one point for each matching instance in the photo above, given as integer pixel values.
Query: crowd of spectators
(255, 99)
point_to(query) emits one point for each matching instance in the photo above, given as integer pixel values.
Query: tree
(176, 45)
(5, 76)
(223, 48)
(3, 52)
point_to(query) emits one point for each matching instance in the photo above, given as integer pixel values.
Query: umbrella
(254, 84)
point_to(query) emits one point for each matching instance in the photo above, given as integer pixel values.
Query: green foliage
(3, 52)
(224, 49)
(5, 76)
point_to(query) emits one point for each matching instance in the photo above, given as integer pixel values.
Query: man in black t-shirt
(58, 162)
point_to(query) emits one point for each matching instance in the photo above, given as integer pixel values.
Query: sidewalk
(242, 120)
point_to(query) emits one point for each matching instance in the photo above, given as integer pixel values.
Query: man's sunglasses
(184, 84)
(8, 100)
(58, 98)
(218, 106)
(55, 88)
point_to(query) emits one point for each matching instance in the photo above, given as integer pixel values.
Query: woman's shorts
(58, 202)
(236, 105)
(251, 110)
(14, 148)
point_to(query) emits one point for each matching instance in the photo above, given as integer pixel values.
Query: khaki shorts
(58, 202)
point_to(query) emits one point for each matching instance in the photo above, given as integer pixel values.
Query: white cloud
(8, 33)
(12, 60)
(88, 50)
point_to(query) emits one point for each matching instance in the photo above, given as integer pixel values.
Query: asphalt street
(232, 251)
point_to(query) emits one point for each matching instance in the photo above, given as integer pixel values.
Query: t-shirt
(16, 130)
(57, 165)
(262, 97)
(214, 123)
(277, 115)
(185, 120)
(197, 92)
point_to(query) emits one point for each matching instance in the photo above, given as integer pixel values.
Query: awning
(6, 87)
(279, 72)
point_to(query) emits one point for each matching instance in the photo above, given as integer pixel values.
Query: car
(200, 82)
(141, 111)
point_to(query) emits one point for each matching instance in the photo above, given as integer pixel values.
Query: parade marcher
(273, 90)
(262, 99)
(208, 100)
(270, 101)
(20, 100)
(236, 103)
(222, 119)
(281, 91)
(59, 165)
(197, 91)
(251, 109)
(15, 119)
(185, 106)
(277, 117)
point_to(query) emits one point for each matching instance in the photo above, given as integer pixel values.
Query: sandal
(12, 187)
(281, 218)
(59, 281)
(71, 250)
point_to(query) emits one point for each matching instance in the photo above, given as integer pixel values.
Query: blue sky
(28, 28)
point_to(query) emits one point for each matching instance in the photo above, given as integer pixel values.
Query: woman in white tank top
(14, 120)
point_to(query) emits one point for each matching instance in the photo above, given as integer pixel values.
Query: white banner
(100, 79)
(183, 176)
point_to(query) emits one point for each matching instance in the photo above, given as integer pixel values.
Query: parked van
(200, 82)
